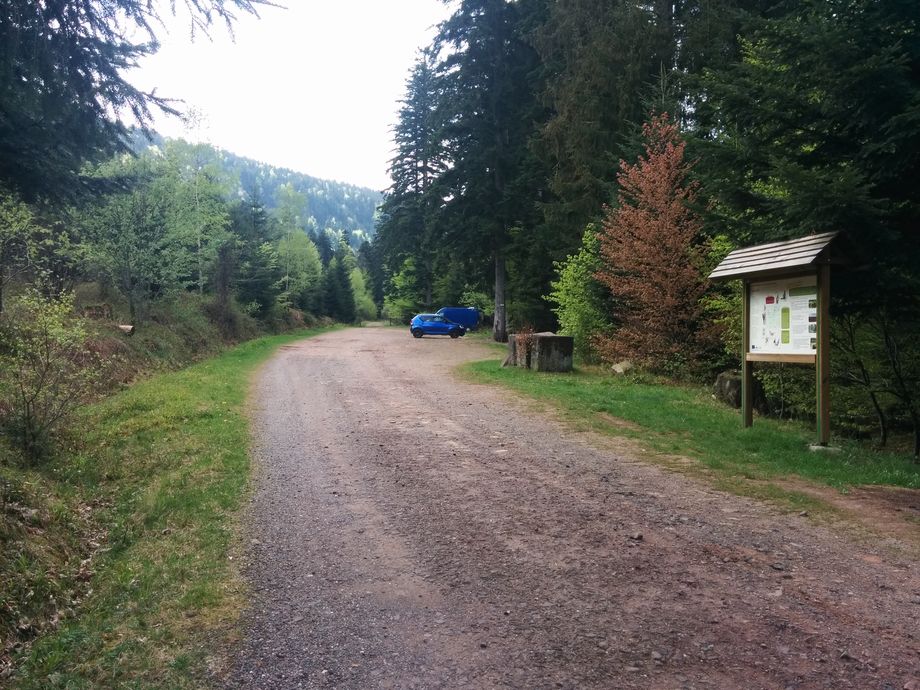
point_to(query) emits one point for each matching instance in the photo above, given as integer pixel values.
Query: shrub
(45, 370)
(581, 305)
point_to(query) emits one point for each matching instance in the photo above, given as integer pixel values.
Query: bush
(45, 370)
(582, 305)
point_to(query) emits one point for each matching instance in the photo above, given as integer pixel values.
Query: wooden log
(511, 359)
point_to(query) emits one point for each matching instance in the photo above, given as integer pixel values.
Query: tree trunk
(500, 325)
(664, 9)
(882, 421)
(902, 388)
(200, 268)
(915, 420)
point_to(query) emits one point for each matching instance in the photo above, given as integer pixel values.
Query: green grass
(684, 421)
(483, 335)
(167, 464)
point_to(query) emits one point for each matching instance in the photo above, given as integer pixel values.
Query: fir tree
(649, 256)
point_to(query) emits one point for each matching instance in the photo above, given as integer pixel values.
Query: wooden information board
(786, 313)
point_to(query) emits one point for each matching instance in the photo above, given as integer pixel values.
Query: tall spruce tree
(488, 98)
(605, 59)
(258, 278)
(410, 221)
(647, 248)
(339, 296)
(817, 129)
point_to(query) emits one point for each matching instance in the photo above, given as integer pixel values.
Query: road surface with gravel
(411, 530)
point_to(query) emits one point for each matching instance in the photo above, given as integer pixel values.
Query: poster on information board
(784, 317)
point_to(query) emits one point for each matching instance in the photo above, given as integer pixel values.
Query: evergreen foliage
(338, 294)
(62, 83)
(258, 275)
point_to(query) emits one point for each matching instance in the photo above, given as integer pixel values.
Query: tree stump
(540, 352)
(552, 352)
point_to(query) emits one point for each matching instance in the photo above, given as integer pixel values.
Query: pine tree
(488, 106)
(369, 261)
(605, 59)
(816, 129)
(649, 256)
(258, 277)
(409, 223)
(338, 293)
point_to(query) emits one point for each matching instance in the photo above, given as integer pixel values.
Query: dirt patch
(410, 530)
(888, 511)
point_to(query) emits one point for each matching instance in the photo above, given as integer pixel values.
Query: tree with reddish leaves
(650, 260)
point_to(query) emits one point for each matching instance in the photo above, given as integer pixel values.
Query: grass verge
(160, 471)
(675, 420)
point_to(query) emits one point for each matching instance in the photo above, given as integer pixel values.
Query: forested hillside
(329, 205)
(538, 140)
(98, 230)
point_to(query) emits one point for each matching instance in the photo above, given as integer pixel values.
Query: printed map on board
(784, 317)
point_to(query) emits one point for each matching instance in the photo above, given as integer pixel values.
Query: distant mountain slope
(330, 205)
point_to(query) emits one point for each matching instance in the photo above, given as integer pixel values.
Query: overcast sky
(314, 87)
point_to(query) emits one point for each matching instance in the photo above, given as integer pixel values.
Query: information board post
(786, 313)
(786, 321)
(747, 367)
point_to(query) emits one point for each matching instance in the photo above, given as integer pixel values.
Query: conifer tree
(649, 256)
(410, 224)
(337, 288)
(258, 279)
(489, 104)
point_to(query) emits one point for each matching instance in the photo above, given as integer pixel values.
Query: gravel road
(408, 530)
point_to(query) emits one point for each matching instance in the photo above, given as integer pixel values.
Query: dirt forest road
(408, 530)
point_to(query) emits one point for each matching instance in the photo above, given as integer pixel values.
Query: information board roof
(775, 258)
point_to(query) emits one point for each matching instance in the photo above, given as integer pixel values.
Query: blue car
(434, 324)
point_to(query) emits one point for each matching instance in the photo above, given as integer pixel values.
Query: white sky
(314, 87)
